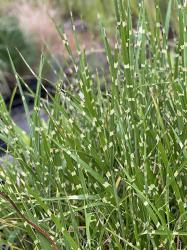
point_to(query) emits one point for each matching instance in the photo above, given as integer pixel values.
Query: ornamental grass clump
(107, 170)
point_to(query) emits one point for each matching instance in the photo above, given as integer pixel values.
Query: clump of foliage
(104, 8)
(13, 39)
(89, 12)
(108, 169)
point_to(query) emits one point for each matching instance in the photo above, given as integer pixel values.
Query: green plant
(108, 169)
(106, 11)
(12, 38)
(89, 12)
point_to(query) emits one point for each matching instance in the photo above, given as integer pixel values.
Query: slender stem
(37, 228)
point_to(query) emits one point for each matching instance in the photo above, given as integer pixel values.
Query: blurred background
(28, 26)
